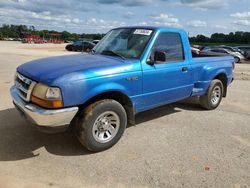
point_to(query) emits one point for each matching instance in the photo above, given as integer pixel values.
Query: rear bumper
(47, 120)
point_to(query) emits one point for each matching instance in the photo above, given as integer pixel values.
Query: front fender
(78, 92)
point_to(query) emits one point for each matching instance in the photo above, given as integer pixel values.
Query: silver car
(222, 51)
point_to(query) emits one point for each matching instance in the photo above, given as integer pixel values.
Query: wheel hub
(216, 94)
(106, 126)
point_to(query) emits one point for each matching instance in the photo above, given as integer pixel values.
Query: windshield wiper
(110, 52)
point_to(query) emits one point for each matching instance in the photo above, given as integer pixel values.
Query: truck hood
(49, 69)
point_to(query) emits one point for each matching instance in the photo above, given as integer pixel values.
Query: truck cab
(132, 69)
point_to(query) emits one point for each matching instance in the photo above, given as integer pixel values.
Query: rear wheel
(101, 125)
(213, 96)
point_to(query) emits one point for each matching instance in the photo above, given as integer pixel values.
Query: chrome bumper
(43, 117)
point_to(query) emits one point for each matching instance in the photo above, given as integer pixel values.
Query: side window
(77, 43)
(215, 50)
(221, 51)
(171, 44)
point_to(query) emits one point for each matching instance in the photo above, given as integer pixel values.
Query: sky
(99, 16)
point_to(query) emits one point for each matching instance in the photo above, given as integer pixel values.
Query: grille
(24, 86)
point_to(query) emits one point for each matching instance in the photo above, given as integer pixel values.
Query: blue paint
(82, 77)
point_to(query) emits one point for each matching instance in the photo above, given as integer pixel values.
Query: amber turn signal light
(47, 103)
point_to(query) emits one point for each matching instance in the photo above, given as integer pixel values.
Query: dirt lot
(178, 145)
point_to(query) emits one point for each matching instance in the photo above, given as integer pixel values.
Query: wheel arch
(118, 96)
(223, 78)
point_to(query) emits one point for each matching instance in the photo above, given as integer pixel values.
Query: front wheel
(101, 125)
(213, 96)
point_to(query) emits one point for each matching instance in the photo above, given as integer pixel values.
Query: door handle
(184, 69)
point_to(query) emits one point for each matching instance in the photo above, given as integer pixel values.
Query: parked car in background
(84, 46)
(95, 41)
(197, 47)
(17, 39)
(195, 50)
(213, 51)
(8, 39)
(234, 49)
(238, 50)
(208, 52)
(68, 41)
(246, 50)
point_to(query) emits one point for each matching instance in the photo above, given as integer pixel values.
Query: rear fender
(208, 74)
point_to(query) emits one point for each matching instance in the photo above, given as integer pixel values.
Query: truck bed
(206, 55)
(211, 58)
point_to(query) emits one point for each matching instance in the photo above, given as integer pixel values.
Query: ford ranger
(132, 69)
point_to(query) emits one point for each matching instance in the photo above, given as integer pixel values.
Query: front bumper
(43, 118)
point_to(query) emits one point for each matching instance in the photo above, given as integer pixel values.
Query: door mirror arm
(150, 60)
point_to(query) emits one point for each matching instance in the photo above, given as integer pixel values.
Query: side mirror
(157, 57)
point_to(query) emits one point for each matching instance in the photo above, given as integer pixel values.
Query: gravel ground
(177, 145)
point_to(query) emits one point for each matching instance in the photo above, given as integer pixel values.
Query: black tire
(207, 101)
(236, 60)
(85, 124)
(70, 48)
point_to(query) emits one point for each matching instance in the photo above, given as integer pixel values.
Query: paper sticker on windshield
(143, 32)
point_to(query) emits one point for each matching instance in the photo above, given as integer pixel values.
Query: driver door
(167, 81)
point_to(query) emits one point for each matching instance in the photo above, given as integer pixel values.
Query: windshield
(125, 43)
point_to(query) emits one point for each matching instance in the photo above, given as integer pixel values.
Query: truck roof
(153, 28)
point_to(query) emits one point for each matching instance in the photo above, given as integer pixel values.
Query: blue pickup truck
(132, 69)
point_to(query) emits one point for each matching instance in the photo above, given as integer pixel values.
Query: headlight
(48, 97)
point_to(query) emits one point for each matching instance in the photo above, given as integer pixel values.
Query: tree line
(238, 37)
(17, 31)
